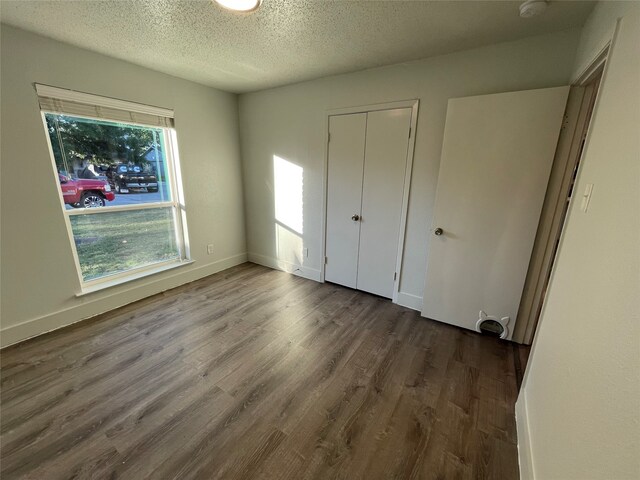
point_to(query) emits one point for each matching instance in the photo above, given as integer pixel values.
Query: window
(118, 177)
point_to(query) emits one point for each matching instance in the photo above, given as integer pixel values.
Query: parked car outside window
(124, 178)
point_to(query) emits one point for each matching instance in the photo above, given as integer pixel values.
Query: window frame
(176, 204)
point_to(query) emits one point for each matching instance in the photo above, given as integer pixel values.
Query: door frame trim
(413, 104)
(568, 158)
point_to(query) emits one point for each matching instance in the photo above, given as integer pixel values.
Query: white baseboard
(525, 457)
(300, 270)
(404, 299)
(410, 301)
(88, 307)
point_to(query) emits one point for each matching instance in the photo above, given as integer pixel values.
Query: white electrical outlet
(210, 248)
(306, 253)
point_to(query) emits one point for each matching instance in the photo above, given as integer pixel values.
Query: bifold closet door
(344, 197)
(385, 165)
(366, 172)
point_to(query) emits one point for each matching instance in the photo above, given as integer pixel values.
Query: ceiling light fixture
(243, 6)
(532, 8)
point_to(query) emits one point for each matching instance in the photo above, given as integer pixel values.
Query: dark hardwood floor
(257, 374)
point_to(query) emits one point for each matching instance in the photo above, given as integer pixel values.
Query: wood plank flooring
(257, 374)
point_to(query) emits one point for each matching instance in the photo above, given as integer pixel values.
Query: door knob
(438, 231)
(355, 217)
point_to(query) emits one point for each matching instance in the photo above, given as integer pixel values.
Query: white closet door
(344, 196)
(496, 158)
(385, 164)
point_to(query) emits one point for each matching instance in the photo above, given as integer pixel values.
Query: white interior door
(344, 196)
(496, 159)
(384, 173)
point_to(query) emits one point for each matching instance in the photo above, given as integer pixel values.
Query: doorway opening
(560, 192)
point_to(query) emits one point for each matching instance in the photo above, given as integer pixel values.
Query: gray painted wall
(290, 122)
(578, 412)
(39, 280)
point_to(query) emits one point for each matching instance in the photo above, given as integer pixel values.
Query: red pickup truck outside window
(85, 193)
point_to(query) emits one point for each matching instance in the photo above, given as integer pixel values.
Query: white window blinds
(70, 102)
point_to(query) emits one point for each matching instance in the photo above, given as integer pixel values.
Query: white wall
(597, 32)
(578, 413)
(290, 122)
(39, 280)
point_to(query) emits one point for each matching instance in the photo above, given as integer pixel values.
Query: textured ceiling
(284, 41)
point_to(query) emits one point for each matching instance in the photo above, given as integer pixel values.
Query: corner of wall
(597, 32)
(525, 456)
(300, 270)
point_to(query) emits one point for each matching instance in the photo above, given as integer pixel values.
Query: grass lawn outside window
(112, 243)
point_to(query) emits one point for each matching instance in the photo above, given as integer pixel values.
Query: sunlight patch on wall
(288, 198)
(288, 193)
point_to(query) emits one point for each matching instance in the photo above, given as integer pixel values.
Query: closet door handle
(438, 231)
(355, 217)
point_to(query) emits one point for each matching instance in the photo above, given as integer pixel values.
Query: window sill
(129, 278)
